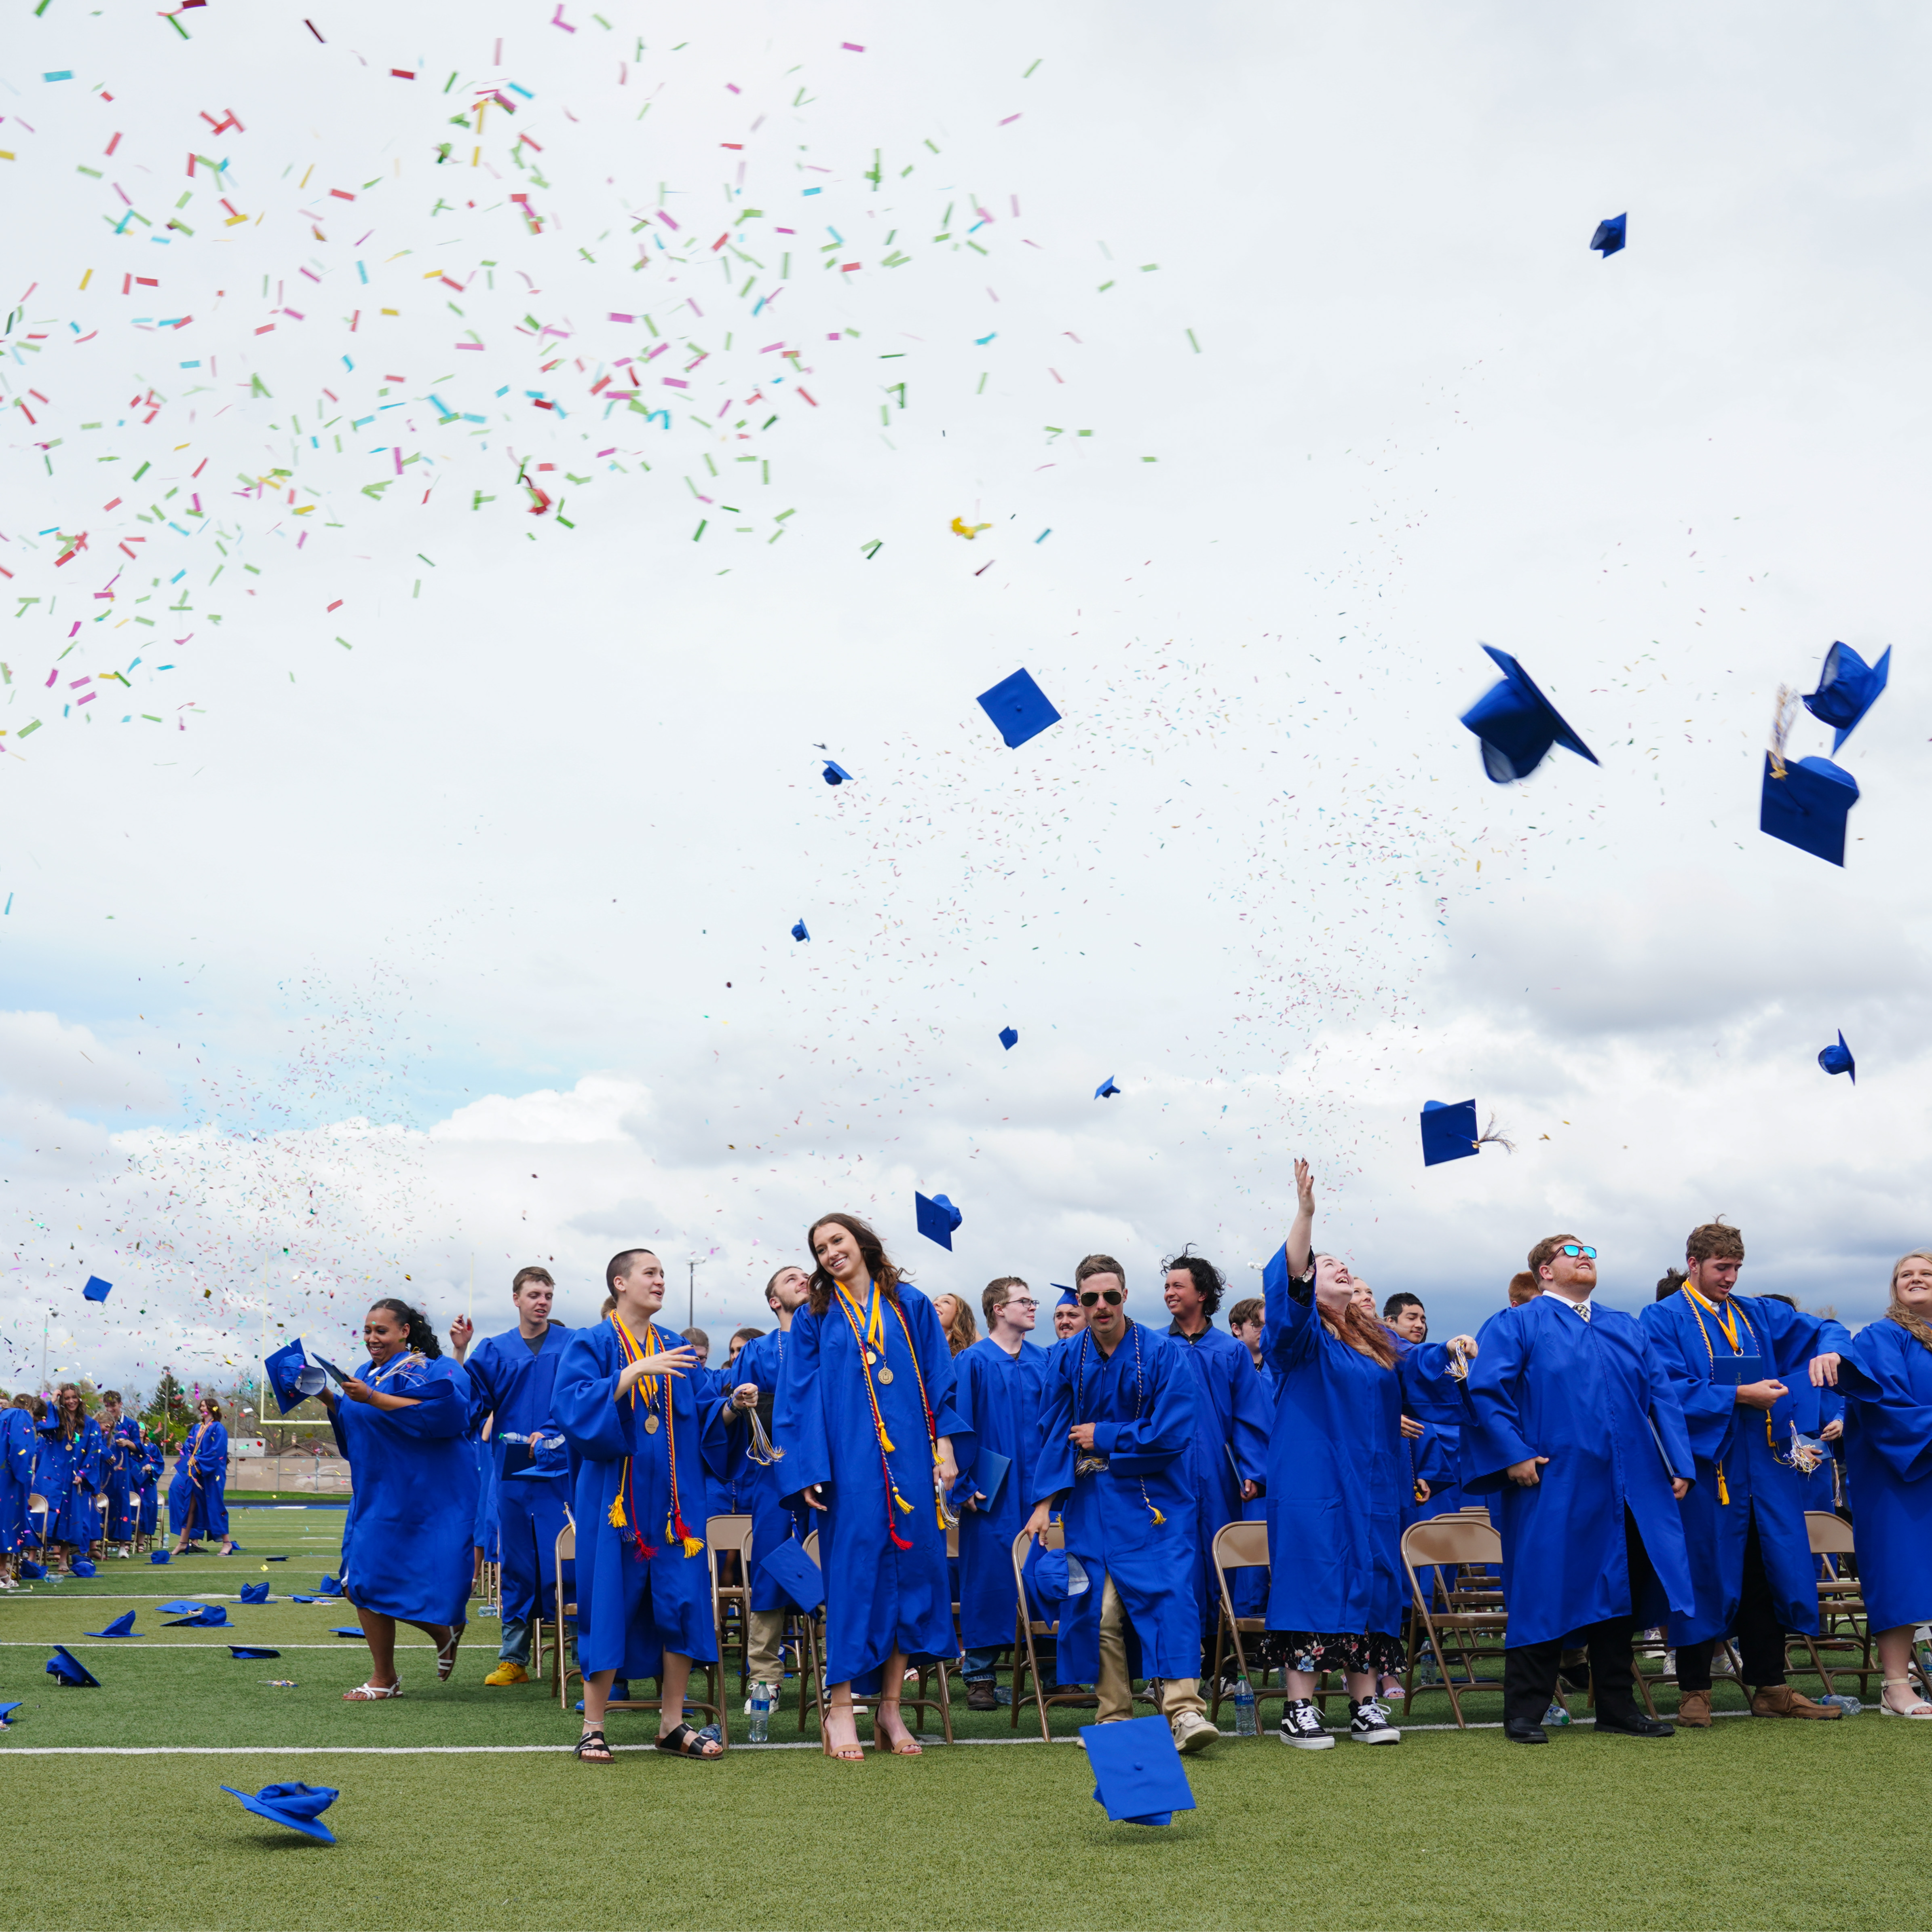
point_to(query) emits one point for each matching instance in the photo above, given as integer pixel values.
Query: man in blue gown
(511, 1378)
(997, 1391)
(1115, 1431)
(1726, 1355)
(623, 1398)
(1227, 1461)
(121, 1436)
(1576, 1433)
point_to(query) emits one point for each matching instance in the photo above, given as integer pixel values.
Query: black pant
(1760, 1636)
(1529, 1669)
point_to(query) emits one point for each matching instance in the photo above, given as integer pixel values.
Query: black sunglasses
(1112, 1297)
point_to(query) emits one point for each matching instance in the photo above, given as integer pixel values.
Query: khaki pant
(763, 1662)
(1114, 1693)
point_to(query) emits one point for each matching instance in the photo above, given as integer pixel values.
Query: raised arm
(1301, 1232)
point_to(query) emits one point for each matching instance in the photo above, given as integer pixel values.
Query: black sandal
(685, 1742)
(591, 1748)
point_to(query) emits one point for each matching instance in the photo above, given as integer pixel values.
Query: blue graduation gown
(483, 1535)
(197, 1497)
(1726, 1437)
(1811, 1409)
(998, 1398)
(1337, 1469)
(76, 1465)
(1886, 1378)
(18, 1452)
(1232, 1419)
(631, 1607)
(761, 1490)
(1436, 1401)
(878, 1597)
(511, 1384)
(1545, 1382)
(122, 1475)
(407, 1551)
(154, 1460)
(1144, 1399)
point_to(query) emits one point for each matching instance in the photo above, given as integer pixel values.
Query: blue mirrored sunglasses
(1576, 1251)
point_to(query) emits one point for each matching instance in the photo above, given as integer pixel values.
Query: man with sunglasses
(1576, 1432)
(996, 1390)
(1115, 1432)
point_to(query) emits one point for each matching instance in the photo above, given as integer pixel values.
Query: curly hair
(886, 1275)
(419, 1337)
(1207, 1280)
(1714, 1241)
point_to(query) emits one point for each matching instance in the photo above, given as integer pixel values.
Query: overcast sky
(436, 905)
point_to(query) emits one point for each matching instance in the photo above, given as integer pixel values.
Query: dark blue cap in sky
(1019, 708)
(1517, 724)
(1848, 688)
(1010, 1037)
(836, 774)
(1106, 1090)
(1449, 1131)
(1138, 1777)
(1806, 803)
(799, 931)
(938, 1219)
(1838, 1060)
(1612, 232)
(97, 1290)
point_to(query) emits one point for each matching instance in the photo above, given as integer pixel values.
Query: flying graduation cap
(1138, 1777)
(299, 1807)
(1010, 1037)
(795, 1574)
(1611, 233)
(1517, 724)
(1805, 802)
(836, 774)
(69, 1673)
(1848, 688)
(121, 1626)
(1019, 708)
(938, 1219)
(1449, 1132)
(97, 1290)
(1838, 1060)
(799, 931)
(1106, 1090)
(293, 1376)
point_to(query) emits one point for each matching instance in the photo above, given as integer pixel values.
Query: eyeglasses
(1577, 1252)
(1112, 1297)
(1019, 1301)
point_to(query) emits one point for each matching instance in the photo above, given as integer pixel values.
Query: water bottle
(1555, 1714)
(1849, 1705)
(1244, 1708)
(761, 1712)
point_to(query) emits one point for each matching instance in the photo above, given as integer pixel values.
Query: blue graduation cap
(348, 1630)
(1517, 724)
(254, 1593)
(1806, 803)
(1611, 235)
(1019, 708)
(299, 1807)
(1848, 688)
(1106, 1090)
(275, 1559)
(799, 931)
(1449, 1131)
(1010, 1037)
(1138, 1777)
(32, 1570)
(83, 1566)
(210, 1616)
(296, 1597)
(121, 1626)
(249, 1654)
(938, 1218)
(292, 1375)
(69, 1673)
(836, 774)
(161, 1555)
(1068, 1298)
(6, 1713)
(1838, 1060)
(97, 1290)
(182, 1608)
(548, 1460)
(329, 1586)
(795, 1574)
(1053, 1575)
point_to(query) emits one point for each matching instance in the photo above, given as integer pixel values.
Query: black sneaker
(1301, 1726)
(1368, 1723)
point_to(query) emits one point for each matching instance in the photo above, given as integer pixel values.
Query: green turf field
(1752, 1824)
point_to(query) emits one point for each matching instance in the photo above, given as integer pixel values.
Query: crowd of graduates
(1644, 1471)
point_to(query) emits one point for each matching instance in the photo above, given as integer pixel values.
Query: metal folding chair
(1843, 1624)
(1471, 1616)
(559, 1624)
(1027, 1630)
(813, 1674)
(1238, 1546)
(731, 1535)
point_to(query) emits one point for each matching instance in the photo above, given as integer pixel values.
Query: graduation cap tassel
(1488, 1137)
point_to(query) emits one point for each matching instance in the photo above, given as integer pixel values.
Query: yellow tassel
(691, 1545)
(902, 1503)
(1724, 1493)
(885, 1443)
(1158, 1517)
(616, 1516)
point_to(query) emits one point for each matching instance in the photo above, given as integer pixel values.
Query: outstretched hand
(1304, 1188)
(1825, 1371)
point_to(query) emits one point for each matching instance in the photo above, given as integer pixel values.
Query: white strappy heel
(1920, 1710)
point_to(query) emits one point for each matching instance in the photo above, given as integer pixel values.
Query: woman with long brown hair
(70, 1474)
(198, 1497)
(955, 1318)
(1336, 1468)
(1886, 1379)
(865, 1414)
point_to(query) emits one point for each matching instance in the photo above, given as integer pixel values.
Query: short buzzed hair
(618, 1266)
(998, 1293)
(1098, 1264)
(1714, 1241)
(1544, 1252)
(1396, 1303)
(1523, 1287)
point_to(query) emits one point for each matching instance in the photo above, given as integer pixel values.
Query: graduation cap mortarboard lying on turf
(83, 1566)
(161, 1555)
(275, 1559)
(254, 1593)
(1138, 1777)
(1019, 708)
(1848, 688)
(348, 1629)
(1010, 1037)
(299, 1807)
(6, 1712)
(330, 1586)
(938, 1219)
(182, 1607)
(795, 1574)
(1611, 234)
(248, 1653)
(121, 1626)
(209, 1616)
(68, 1671)
(1838, 1060)
(1517, 724)
(97, 1290)
(1806, 803)
(32, 1571)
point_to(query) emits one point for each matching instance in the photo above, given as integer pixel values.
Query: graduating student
(1247, 1322)
(198, 1496)
(1229, 1459)
(1750, 1556)
(865, 1414)
(511, 1378)
(402, 1422)
(71, 1470)
(626, 1400)
(1436, 1405)
(154, 1460)
(19, 1449)
(1068, 1319)
(1337, 1470)
(1885, 1377)
(997, 1394)
(735, 1346)
(1575, 1425)
(122, 1463)
(1116, 1432)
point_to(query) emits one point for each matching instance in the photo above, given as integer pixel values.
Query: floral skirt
(1330, 1650)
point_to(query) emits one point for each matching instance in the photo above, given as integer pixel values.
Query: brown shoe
(1780, 1700)
(982, 1697)
(1693, 1709)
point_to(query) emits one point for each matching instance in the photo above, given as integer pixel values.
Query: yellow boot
(507, 1673)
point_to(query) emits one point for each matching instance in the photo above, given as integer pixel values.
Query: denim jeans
(980, 1664)
(515, 1648)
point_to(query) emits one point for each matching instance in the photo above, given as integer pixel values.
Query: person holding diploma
(1575, 1428)
(198, 1496)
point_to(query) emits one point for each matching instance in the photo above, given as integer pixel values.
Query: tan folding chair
(559, 1624)
(725, 1536)
(1469, 1616)
(1843, 1624)
(1026, 1629)
(1238, 1546)
(813, 1673)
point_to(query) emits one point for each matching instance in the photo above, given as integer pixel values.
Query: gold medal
(871, 1359)
(651, 1424)
(885, 1374)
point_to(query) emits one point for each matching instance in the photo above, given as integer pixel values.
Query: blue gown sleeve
(1253, 1416)
(441, 1392)
(1493, 1441)
(1145, 1448)
(482, 1369)
(1053, 1469)
(1667, 1412)
(582, 1401)
(798, 1413)
(1708, 1408)
(1290, 1331)
(1893, 1423)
